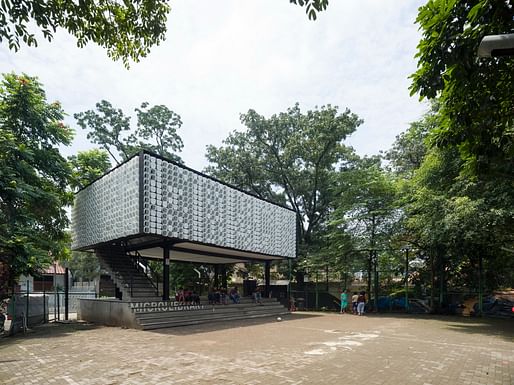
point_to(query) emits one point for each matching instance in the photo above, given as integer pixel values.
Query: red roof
(54, 268)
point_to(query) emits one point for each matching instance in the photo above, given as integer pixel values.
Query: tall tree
(474, 132)
(111, 129)
(291, 158)
(33, 177)
(159, 124)
(365, 209)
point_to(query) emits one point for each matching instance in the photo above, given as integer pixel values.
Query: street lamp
(496, 45)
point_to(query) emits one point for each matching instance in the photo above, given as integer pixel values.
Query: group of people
(219, 296)
(358, 302)
(216, 296)
(187, 297)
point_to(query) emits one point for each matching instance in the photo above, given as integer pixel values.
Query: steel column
(166, 273)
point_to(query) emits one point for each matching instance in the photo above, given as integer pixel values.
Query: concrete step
(207, 312)
(140, 293)
(140, 284)
(134, 283)
(149, 298)
(137, 294)
(162, 325)
(127, 273)
(230, 304)
(204, 299)
(150, 319)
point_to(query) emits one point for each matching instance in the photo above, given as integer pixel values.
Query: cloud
(222, 58)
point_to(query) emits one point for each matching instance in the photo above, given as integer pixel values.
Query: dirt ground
(303, 348)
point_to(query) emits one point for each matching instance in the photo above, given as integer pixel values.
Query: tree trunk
(370, 270)
(432, 279)
(326, 277)
(443, 306)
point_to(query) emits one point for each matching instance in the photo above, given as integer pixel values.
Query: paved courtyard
(305, 348)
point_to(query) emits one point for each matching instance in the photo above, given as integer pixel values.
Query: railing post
(289, 283)
(406, 280)
(58, 306)
(44, 302)
(27, 302)
(66, 292)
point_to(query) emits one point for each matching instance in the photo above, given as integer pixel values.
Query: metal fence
(25, 310)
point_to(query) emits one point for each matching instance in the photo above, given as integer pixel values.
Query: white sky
(221, 58)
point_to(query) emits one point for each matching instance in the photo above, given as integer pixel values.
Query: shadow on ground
(214, 326)
(49, 330)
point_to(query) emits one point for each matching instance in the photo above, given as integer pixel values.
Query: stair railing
(139, 261)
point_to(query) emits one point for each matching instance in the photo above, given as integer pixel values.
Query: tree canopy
(127, 30)
(289, 157)
(33, 176)
(87, 166)
(110, 128)
(475, 94)
(462, 193)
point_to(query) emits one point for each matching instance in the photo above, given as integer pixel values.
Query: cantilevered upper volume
(148, 202)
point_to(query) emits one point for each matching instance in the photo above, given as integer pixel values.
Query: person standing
(361, 302)
(234, 295)
(355, 297)
(344, 301)
(257, 296)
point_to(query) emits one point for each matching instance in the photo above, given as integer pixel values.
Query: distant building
(50, 278)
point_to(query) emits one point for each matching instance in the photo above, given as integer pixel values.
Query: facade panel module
(180, 204)
(107, 209)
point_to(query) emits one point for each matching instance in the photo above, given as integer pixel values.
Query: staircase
(159, 315)
(127, 275)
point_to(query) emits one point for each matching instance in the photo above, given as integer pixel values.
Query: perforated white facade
(108, 209)
(179, 203)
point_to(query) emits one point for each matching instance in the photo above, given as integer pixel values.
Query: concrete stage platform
(146, 315)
